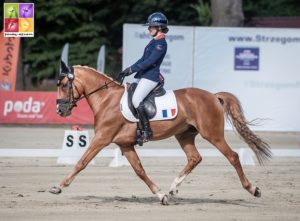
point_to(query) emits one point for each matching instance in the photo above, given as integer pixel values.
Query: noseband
(71, 101)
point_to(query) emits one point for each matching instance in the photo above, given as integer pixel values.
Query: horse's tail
(234, 113)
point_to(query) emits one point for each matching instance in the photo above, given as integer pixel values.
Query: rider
(147, 68)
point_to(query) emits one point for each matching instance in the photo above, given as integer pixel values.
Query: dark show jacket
(148, 65)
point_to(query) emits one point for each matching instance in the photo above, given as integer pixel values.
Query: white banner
(178, 62)
(260, 66)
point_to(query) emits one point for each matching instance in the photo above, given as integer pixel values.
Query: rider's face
(152, 30)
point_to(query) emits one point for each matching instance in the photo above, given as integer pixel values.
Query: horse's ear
(63, 67)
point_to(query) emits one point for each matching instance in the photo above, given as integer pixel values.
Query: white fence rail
(246, 155)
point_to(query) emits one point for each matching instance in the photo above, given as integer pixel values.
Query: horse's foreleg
(187, 143)
(89, 154)
(135, 162)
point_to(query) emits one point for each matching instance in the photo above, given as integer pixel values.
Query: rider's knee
(136, 102)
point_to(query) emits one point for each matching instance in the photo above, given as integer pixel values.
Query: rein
(105, 86)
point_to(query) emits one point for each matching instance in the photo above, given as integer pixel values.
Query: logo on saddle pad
(160, 104)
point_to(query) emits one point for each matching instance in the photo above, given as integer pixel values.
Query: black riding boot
(146, 133)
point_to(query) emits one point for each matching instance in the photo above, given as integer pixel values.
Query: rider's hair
(164, 29)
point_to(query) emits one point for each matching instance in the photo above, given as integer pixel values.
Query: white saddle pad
(166, 107)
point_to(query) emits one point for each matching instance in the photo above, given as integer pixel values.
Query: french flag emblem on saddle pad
(169, 113)
(166, 107)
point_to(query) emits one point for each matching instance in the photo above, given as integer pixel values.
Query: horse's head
(73, 86)
(65, 98)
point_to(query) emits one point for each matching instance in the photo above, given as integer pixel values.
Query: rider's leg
(146, 131)
(143, 88)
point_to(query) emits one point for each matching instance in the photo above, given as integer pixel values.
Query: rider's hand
(123, 74)
(127, 71)
(120, 77)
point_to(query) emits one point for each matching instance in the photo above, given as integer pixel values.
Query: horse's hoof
(55, 190)
(164, 200)
(173, 192)
(257, 192)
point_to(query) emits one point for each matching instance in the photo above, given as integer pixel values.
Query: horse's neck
(91, 79)
(105, 101)
(105, 90)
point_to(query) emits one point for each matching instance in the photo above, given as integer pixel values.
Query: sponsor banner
(39, 108)
(178, 62)
(9, 55)
(261, 66)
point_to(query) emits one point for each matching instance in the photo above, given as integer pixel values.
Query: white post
(246, 157)
(118, 160)
(101, 59)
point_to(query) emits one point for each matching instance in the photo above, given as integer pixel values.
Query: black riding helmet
(158, 19)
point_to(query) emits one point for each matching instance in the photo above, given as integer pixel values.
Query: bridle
(71, 101)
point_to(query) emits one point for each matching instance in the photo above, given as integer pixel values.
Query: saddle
(149, 101)
(160, 104)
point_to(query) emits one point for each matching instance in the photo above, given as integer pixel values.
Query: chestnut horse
(199, 112)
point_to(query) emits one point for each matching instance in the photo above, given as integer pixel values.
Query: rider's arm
(139, 61)
(158, 51)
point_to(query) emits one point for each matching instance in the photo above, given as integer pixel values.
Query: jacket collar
(160, 36)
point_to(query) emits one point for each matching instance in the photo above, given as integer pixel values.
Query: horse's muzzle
(63, 107)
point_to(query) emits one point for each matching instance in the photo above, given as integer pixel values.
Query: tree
(57, 22)
(274, 8)
(203, 10)
(227, 13)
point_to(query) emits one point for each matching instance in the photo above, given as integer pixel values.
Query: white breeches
(142, 90)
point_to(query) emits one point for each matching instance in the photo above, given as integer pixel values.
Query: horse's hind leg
(187, 143)
(135, 162)
(233, 158)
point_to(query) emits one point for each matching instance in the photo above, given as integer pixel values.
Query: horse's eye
(64, 86)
